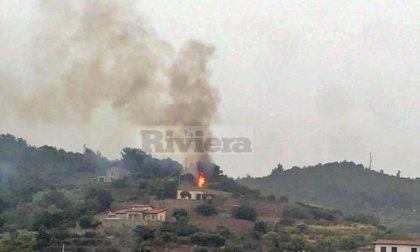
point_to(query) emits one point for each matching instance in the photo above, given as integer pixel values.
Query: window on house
(383, 249)
(414, 250)
(394, 249)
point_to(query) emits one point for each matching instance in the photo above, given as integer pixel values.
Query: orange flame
(201, 181)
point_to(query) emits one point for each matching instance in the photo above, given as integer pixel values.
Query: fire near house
(397, 246)
(195, 193)
(138, 213)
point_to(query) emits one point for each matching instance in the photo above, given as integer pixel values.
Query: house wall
(194, 194)
(121, 215)
(135, 216)
(400, 248)
(162, 217)
(115, 173)
(155, 217)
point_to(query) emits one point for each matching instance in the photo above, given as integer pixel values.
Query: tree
(297, 243)
(87, 221)
(97, 199)
(328, 244)
(277, 171)
(204, 239)
(348, 242)
(185, 195)
(43, 237)
(295, 211)
(144, 233)
(260, 226)
(206, 210)
(180, 213)
(245, 212)
(223, 230)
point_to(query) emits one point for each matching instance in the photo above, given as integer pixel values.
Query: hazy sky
(318, 81)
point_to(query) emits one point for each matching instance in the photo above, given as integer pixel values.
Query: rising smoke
(90, 55)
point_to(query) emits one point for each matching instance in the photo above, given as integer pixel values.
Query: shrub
(328, 244)
(260, 226)
(223, 230)
(97, 199)
(200, 249)
(274, 241)
(168, 237)
(297, 243)
(363, 218)
(144, 233)
(185, 195)
(303, 211)
(286, 222)
(302, 228)
(87, 221)
(181, 228)
(295, 211)
(237, 190)
(271, 197)
(234, 248)
(180, 213)
(206, 210)
(208, 240)
(349, 243)
(245, 212)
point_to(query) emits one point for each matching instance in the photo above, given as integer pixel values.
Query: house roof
(121, 211)
(155, 211)
(139, 205)
(135, 211)
(398, 242)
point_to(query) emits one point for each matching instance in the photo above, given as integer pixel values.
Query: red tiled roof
(139, 205)
(134, 211)
(398, 242)
(121, 211)
(155, 211)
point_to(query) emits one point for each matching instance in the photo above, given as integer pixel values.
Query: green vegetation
(47, 198)
(245, 212)
(180, 214)
(261, 226)
(206, 210)
(348, 187)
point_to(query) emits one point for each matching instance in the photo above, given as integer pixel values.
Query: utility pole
(370, 161)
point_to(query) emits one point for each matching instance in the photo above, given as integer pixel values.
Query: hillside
(348, 187)
(47, 199)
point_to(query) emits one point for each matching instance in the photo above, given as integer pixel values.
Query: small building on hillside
(116, 173)
(196, 193)
(138, 213)
(397, 246)
(112, 174)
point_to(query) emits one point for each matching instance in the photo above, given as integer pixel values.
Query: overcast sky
(318, 81)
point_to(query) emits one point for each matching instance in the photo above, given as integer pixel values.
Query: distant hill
(348, 187)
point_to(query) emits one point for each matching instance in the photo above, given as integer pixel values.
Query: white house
(397, 246)
(194, 194)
